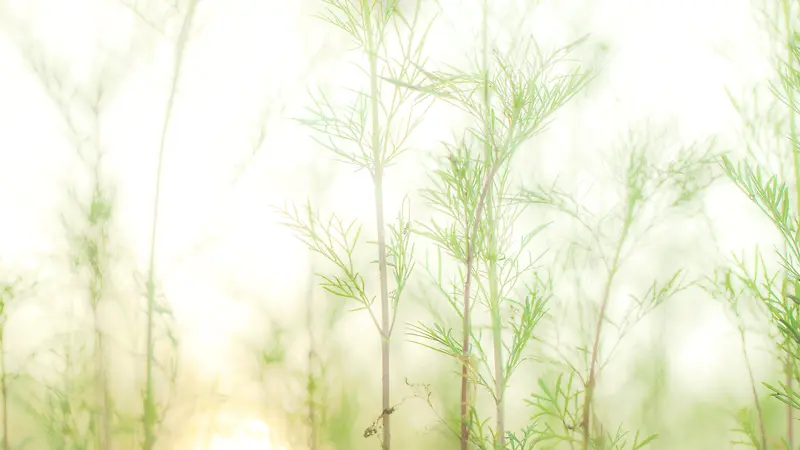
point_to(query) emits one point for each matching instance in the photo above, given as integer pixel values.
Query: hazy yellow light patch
(251, 434)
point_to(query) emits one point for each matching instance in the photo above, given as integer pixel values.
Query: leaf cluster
(557, 411)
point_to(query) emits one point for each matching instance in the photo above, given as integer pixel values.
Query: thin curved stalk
(149, 416)
(591, 380)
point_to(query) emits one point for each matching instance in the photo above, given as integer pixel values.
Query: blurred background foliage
(244, 329)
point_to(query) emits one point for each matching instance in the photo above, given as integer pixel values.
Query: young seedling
(371, 134)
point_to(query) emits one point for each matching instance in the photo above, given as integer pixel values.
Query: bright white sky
(666, 59)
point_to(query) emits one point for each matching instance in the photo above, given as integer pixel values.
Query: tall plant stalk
(149, 417)
(366, 136)
(466, 327)
(494, 288)
(377, 180)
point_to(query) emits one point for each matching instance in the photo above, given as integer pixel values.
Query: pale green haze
(219, 103)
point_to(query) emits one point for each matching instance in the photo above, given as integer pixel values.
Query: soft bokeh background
(236, 279)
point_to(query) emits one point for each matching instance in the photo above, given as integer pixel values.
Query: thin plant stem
(366, 21)
(467, 324)
(494, 300)
(497, 337)
(591, 379)
(149, 403)
(377, 178)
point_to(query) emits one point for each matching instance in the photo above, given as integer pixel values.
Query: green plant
(772, 197)
(761, 177)
(652, 189)
(498, 299)
(557, 414)
(509, 100)
(366, 136)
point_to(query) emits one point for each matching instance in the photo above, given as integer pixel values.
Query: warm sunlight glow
(252, 435)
